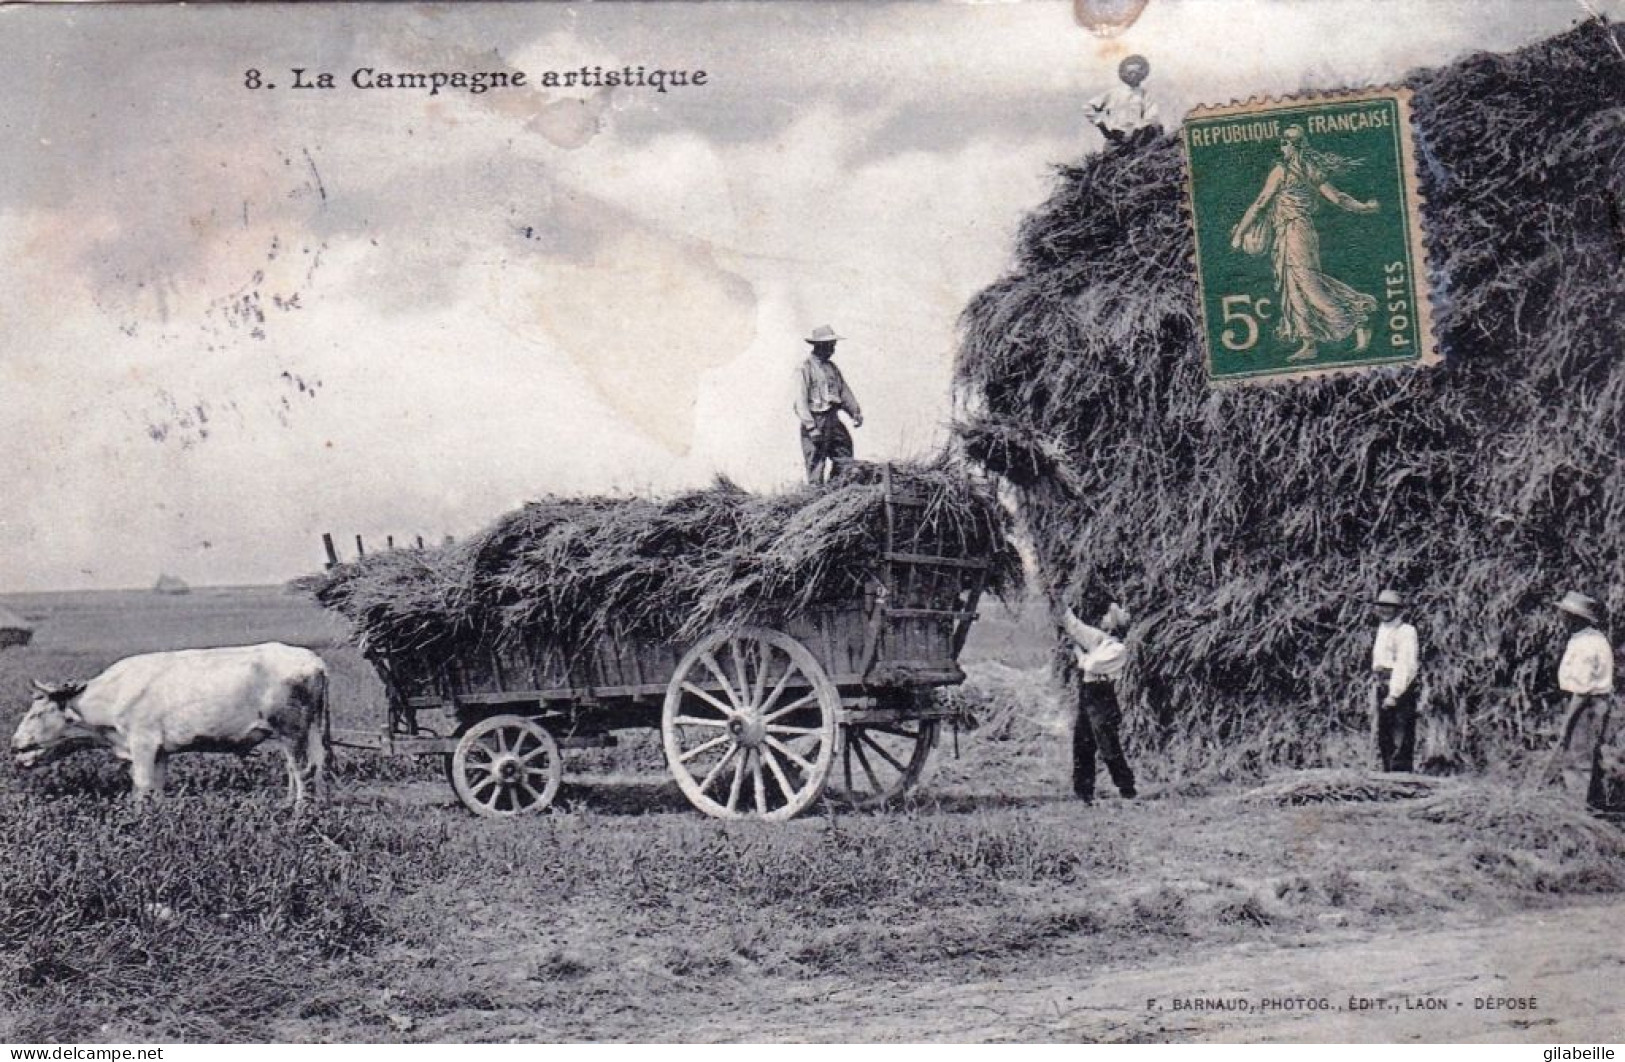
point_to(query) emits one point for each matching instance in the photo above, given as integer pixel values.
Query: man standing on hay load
(821, 397)
(1394, 655)
(1586, 674)
(1124, 116)
(1100, 657)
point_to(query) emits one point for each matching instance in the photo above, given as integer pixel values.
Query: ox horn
(41, 687)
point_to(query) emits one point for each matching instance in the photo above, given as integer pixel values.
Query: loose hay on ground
(1340, 787)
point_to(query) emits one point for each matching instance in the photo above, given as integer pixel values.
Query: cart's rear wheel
(750, 725)
(879, 762)
(506, 765)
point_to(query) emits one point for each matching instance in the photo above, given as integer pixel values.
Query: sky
(232, 319)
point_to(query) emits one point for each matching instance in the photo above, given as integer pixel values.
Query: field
(990, 908)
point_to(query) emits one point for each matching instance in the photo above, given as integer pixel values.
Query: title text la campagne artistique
(476, 82)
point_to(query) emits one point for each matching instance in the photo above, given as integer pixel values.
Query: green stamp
(1308, 236)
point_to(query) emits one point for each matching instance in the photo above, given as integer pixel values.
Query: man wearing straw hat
(1100, 657)
(1394, 664)
(821, 397)
(1586, 674)
(1123, 114)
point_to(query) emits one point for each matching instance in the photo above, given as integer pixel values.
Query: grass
(391, 914)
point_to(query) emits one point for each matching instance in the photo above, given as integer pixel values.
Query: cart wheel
(879, 762)
(506, 765)
(750, 725)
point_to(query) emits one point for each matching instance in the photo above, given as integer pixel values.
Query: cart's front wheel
(506, 765)
(750, 725)
(879, 762)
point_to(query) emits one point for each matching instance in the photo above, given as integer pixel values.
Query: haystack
(171, 584)
(560, 572)
(14, 630)
(1247, 528)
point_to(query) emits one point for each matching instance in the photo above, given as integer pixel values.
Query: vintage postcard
(751, 522)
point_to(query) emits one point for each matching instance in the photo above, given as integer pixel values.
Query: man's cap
(1390, 596)
(823, 334)
(1582, 605)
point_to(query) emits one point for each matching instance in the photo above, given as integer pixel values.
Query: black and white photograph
(805, 521)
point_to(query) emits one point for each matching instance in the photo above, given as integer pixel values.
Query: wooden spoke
(882, 753)
(756, 781)
(708, 746)
(863, 761)
(689, 720)
(741, 673)
(785, 788)
(764, 661)
(792, 706)
(790, 754)
(716, 769)
(711, 665)
(779, 686)
(779, 728)
(737, 784)
(689, 687)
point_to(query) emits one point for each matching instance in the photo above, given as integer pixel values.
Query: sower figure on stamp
(1100, 657)
(1314, 307)
(1124, 116)
(1586, 674)
(1394, 665)
(821, 397)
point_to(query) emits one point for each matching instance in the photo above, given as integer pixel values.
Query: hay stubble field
(991, 907)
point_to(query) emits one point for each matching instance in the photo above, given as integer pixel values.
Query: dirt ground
(1569, 961)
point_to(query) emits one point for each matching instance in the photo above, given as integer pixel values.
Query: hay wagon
(756, 721)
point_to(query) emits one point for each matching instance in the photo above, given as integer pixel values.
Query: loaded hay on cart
(785, 645)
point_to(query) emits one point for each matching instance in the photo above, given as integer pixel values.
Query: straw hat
(823, 334)
(1578, 604)
(1390, 596)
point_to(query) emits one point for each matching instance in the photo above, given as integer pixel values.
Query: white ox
(192, 700)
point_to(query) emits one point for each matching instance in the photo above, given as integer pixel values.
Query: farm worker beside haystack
(1394, 654)
(1586, 674)
(1124, 116)
(1100, 657)
(821, 397)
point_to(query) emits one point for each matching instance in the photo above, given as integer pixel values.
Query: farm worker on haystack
(1586, 674)
(1100, 657)
(1394, 663)
(821, 397)
(1123, 114)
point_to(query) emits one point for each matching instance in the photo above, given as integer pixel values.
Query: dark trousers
(1396, 728)
(832, 443)
(1096, 731)
(1578, 757)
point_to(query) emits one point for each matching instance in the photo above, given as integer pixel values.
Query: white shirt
(1588, 664)
(1123, 109)
(1098, 654)
(1394, 650)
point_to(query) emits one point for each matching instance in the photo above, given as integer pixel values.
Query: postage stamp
(1309, 248)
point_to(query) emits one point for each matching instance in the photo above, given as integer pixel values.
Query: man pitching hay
(1586, 674)
(1123, 114)
(821, 396)
(1100, 657)
(1394, 656)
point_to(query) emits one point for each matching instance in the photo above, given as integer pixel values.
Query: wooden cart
(756, 722)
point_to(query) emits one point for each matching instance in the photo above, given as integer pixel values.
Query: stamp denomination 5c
(1308, 235)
